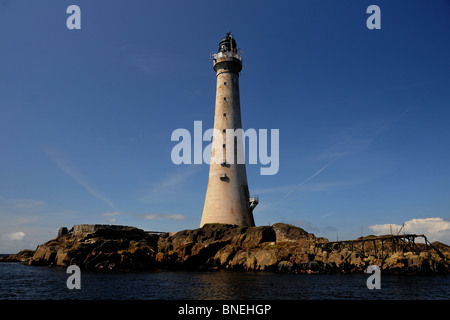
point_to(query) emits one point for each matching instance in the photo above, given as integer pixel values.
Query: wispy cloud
(163, 216)
(346, 142)
(20, 212)
(25, 223)
(27, 205)
(275, 205)
(318, 171)
(316, 186)
(166, 188)
(112, 213)
(111, 216)
(143, 62)
(359, 137)
(299, 187)
(70, 169)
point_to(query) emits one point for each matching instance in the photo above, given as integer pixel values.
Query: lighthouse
(227, 198)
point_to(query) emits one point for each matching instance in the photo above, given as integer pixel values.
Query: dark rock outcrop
(279, 248)
(23, 256)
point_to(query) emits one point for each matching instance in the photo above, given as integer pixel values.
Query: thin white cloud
(162, 216)
(70, 169)
(166, 189)
(20, 212)
(111, 216)
(318, 186)
(307, 180)
(25, 223)
(360, 137)
(24, 205)
(178, 178)
(113, 213)
(319, 171)
(13, 236)
(144, 62)
(27, 204)
(348, 141)
(435, 229)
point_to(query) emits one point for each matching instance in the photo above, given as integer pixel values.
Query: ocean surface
(20, 282)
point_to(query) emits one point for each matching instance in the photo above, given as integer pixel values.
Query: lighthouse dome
(227, 44)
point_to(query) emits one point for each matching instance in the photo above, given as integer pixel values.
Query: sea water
(20, 282)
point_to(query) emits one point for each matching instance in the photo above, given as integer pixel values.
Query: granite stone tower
(227, 196)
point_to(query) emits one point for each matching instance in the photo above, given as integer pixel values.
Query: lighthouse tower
(227, 197)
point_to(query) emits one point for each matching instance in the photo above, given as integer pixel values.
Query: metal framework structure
(404, 242)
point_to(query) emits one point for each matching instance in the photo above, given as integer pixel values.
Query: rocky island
(278, 248)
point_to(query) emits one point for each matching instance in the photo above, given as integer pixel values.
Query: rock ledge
(280, 248)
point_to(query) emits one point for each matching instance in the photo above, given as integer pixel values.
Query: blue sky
(86, 115)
